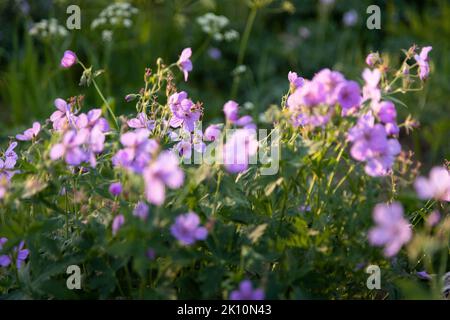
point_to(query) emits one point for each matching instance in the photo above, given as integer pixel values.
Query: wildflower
(371, 59)
(62, 117)
(92, 119)
(350, 18)
(433, 219)
(137, 151)
(184, 63)
(162, 172)
(386, 112)
(141, 121)
(31, 133)
(246, 292)
(5, 260)
(115, 188)
(239, 148)
(423, 275)
(231, 110)
(294, 80)
(311, 94)
(7, 165)
(118, 222)
(349, 96)
(69, 59)
(422, 61)
(214, 53)
(187, 229)
(22, 254)
(212, 133)
(392, 230)
(70, 147)
(184, 112)
(370, 90)
(437, 186)
(330, 82)
(141, 210)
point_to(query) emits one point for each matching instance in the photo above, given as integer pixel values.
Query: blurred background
(257, 42)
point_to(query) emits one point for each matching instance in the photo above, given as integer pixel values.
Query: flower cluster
(115, 15)
(83, 135)
(214, 26)
(184, 112)
(246, 292)
(48, 29)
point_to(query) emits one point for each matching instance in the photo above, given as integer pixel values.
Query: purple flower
(371, 59)
(62, 117)
(311, 94)
(370, 90)
(5, 260)
(22, 254)
(423, 275)
(162, 172)
(141, 210)
(371, 144)
(151, 254)
(115, 188)
(91, 120)
(349, 96)
(240, 146)
(294, 80)
(184, 149)
(386, 111)
(7, 165)
(212, 133)
(141, 121)
(117, 223)
(422, 61)
(330, 81)
(69, 59)
(231, 110)
(184, 112)
(392, 230)
(70, 147)
(433, 219)
(350, 18)
(137, 151)
(184, 63)
(187, 229)
(437, 186)
(246, 292)
(31, 133)
(214, 53)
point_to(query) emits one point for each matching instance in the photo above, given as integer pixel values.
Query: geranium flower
(187, 229)
(184, 63)
(31, 133)
(437, 186)
(246, 292)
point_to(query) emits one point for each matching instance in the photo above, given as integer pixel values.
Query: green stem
(243, 48)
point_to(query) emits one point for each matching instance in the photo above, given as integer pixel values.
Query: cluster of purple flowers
(184, 112)
(187, 229)
(137, 150)
(83, 135)
(7, 164)
(313, 102)
(372, 145)
(20, 254)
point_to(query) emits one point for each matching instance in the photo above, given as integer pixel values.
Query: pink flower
(31, 133)
(118, 222)
(294, 80)
(392, 230)
(162, 172)
(69, 59)
(231, 110)
(115, 188)
(62, 117)
(422, 61)
(212, 132)
(184, 63)
(437, 186)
